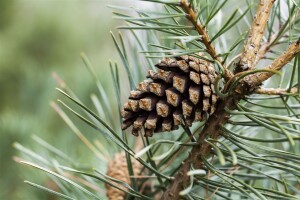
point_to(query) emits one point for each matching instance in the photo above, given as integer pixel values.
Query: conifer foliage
(227, 87)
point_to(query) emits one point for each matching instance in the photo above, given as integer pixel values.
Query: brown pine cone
(117, 168)
(182, 89)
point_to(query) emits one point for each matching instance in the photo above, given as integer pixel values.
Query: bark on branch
(256, 79)
(203, 150)
(276, 91)
(255, 36)
(192, 17)
(264, 49)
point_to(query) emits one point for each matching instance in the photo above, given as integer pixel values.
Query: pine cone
(117, 168)
(181, 90)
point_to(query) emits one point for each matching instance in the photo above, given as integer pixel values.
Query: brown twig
(192, 16)
(276, 91)
(275, 66)
(264, 49)
(272, 41)
(211, 129)
(256, 79)
(255, 36)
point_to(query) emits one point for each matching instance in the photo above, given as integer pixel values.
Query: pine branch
(276, 91)
(272, 41)
(256, 34)
(194, 159)
(212, 129)
(256, 79)
(192, 16)
(220, 117)
(264, 49)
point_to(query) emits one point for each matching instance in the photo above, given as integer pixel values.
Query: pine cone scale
(148, 103)
(173, 97)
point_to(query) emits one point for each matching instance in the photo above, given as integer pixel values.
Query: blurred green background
(38, 37)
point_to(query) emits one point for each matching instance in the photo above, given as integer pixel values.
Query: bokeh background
(37, 38)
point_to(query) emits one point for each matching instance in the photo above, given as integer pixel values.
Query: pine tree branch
(255, 36)
(256, 79)
(264, 49)
(276, 91)
(219, 118)
(192, 17)
(211, 130)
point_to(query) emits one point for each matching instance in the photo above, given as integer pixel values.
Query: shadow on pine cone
(181, 90)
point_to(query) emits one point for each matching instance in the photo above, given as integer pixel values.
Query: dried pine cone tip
(181, 90)
(117, 168)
